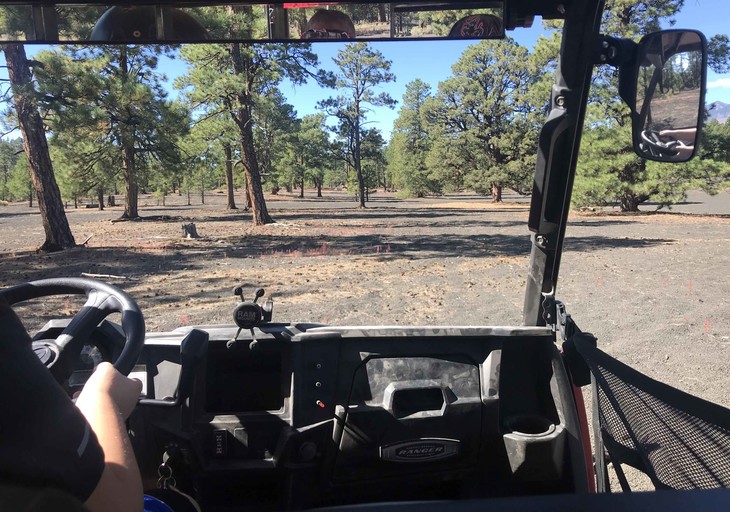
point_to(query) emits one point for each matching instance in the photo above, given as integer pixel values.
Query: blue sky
(432, 61)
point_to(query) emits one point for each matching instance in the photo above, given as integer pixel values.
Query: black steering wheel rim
(652, 140)
(102, 300)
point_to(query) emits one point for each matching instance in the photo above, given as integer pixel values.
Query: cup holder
(529, 425)
(535, 447)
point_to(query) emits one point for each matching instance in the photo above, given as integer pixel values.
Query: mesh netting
(678, 440)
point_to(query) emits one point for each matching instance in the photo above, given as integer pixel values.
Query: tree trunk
(31, 192)
(130, 181)
(319, 188)
(202, 191)
(100, 198)
(381, 13)
(246, 195)
(356, 159)
(496, 193)
(630, 202)
(301, 189)
(231, 205)
(244, 120)
(254, 190)
(55, 224)
(128, 156)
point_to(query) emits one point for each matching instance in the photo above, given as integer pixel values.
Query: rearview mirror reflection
(95, 23)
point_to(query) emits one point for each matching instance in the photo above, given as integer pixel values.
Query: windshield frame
(557, 157)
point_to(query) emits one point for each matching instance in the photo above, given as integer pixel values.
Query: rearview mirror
(88, 22)
(670, 95)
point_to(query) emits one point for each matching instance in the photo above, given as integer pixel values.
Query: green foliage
(716, 141)
(718, 53)
(410, 143)
(373, 159)
(313, 149)
(100, 100)
(16, 21)
(236, 21)
(634, 18)
(482, 123)
(203, 156)
(10, 151)
(276, 124)
(609, 172)
(19, 185)
(231, 80)
(361, 70)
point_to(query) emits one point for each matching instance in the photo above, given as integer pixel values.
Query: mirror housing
(668, 105)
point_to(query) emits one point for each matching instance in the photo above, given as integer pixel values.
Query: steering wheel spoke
(98, 306)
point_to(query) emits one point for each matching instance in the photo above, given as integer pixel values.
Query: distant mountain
(719, 110)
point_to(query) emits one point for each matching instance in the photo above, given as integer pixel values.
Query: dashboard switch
(220, 443)
(320, 404)
(307, 452)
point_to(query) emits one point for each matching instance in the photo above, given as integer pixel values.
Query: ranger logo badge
(420, 450)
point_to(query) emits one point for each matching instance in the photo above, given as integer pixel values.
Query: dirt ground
(653, 288)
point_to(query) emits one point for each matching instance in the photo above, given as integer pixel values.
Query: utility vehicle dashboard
(290, 416)
(271, 416)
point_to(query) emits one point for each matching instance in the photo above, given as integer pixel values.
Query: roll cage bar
(557, 157)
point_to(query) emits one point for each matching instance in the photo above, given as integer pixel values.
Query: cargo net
(678, 440)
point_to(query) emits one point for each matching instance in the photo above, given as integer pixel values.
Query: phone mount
(249, 315)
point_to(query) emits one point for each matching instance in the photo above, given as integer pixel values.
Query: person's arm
(685, 135)
(106, 401)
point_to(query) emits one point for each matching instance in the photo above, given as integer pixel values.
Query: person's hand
(107, 381)
(683, 150)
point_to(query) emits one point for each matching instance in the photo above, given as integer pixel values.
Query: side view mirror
(670, 73)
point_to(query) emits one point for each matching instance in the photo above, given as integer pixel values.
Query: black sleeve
(44, 438)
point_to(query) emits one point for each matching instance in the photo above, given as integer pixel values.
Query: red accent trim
(585, 437)
(304, 5)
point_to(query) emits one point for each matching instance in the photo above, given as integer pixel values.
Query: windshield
(357, 183)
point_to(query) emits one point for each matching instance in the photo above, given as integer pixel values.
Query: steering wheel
(102, 299)
(656, 146)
